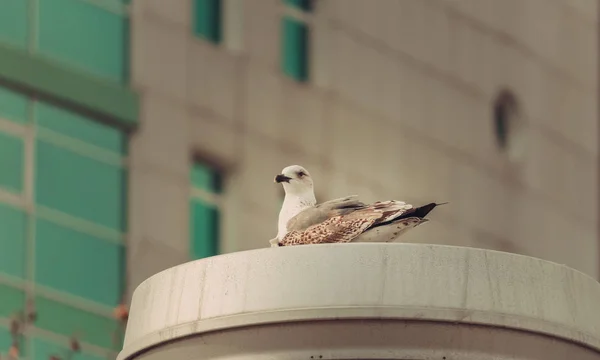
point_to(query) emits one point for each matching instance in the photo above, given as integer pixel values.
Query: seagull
(302, 221)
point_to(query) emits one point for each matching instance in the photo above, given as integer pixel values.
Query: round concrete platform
(366, 301)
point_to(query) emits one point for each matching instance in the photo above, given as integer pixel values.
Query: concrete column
(366, 301)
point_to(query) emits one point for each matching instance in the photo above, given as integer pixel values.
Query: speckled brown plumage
(344, 228)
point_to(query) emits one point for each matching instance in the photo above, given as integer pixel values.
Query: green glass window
(6, 342)
(12, 240)
(204, 215)
(294, 47)
(305, 5)
(80, 183)
(206, 178)
(13, 300)
(11, 162)
(43, 350)
(207, 19)
(81, 128)
(79, 186)
(13, 22)
(67, 238)
(63, 319)
(204, 229)
(78, 263)
(85, 35)
(13, 106)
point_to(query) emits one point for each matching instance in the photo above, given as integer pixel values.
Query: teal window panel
(205, 177)
(80, 127)
(6, 342)
(66, 320)
(13, 22)
(207, 19)
(13, 300)
(13, 231)
(13, 106)
(83, 34)
(11, 162)
(204, 229)
(80, 186)
(78, 263)
(305, 5)
(43, 349)
(294, 57)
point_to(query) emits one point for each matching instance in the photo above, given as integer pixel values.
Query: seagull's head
(295, 180)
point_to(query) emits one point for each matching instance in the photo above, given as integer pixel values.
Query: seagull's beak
(282, 178)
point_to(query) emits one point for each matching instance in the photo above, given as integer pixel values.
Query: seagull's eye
(301, 174)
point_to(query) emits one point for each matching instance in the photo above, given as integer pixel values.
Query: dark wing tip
(422, 211)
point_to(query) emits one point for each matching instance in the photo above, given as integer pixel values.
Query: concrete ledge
(60, 83)
(278, 289)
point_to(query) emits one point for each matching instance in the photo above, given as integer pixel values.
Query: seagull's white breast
(291, 207)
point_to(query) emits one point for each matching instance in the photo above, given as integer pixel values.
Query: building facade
(65, 110)
(137, 136)
(471, 102)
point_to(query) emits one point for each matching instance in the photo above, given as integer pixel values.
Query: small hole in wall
(508, 125)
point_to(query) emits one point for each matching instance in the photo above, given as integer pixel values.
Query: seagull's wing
(341, 203)
(321, 212)
(397, 225)
(389, 232)
(341, 224)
